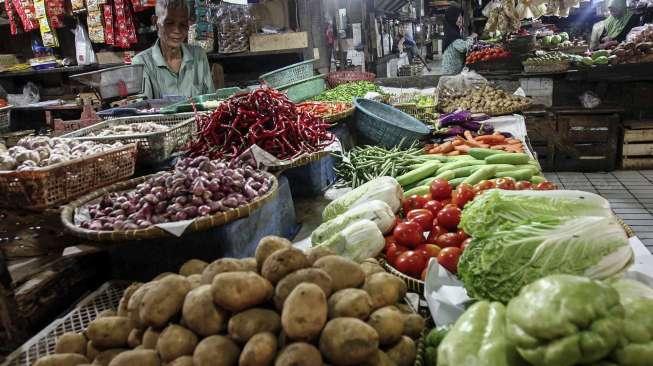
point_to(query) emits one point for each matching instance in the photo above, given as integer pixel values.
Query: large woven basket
(153, 148)
(289, 74)
(340, 77)
(386, 125)
(561, 66)
(304, 89)
(300, 161)
(60, 183)
(404, 103)
(153, 232)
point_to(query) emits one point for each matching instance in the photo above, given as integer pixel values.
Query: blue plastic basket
(386, 125)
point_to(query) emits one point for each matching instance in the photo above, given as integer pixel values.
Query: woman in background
(454, 45)
(618, 24)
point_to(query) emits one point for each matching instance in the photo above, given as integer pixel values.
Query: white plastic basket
(42, 344)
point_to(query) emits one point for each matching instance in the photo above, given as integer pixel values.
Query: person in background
(172, 67)
(410, 46)
(618, 24)
(454, 45)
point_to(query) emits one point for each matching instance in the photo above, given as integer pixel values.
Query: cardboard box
(274, 42)
(104, 58)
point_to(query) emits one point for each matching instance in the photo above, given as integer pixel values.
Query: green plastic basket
(289, 74)
(304, 89)
(187, 105)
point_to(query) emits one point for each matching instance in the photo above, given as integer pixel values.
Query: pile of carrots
(461, 145)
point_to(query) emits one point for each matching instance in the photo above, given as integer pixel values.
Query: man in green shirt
(173, 67)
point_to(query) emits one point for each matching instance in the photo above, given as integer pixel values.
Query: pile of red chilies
(264, 117)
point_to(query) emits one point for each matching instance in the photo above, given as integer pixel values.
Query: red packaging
(108, 25)
(13, 28)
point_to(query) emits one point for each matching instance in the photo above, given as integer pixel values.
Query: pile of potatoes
(284, 307)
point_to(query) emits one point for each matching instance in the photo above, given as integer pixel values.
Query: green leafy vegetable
(636, 345)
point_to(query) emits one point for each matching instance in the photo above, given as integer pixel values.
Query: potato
(413, 325)
(348, 341)
(135, 301)
(283, 262)
(124, 300)
(195, 281)
(104, 358)
(380, 359)
(182, 361)
(246, 324)
(163, 300)
(162, 276)
(350, 302)
(106, 313)
(221, 265)
(175, 341)
(135, 338)
(389, 324)
(109, 332)
(71, 342)
(403, 353)
(237, 291)
(150, 337)
(249, 264)
(91, 351)
(61, 359)
(299, 354)
(140, 357)
(309, 275)
(191, 267)
(259, 350)
(216, 351)
(384, 289)
(200, 314)
(316, 253)
(344, 272)
(268, 245)
(371, 266)
(304, 312)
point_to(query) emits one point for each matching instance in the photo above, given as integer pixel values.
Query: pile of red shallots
(196, 187)
(263, 117)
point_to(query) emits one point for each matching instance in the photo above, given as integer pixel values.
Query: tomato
(390, 240)
(434, 206)
(440, 189)
(465, 244)
(393, 251)
(462, 235)
(3, 102)
(449, 217)
(409, 234)
(435, 232)
(429, 250)
(411, 262)
(427, 197)
(448, 240)
(448, 258)
(506, 183)
(463, 194)
(545, 186)
(523, 184)
(413, 202)
(483, 185)
(421, 216)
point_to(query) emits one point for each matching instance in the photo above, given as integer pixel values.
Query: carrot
(452, 153)
(446, 147)
(433, 152)
(513, 141)
(462, 148)
(457, 142)
(472, 143)
(468, 136)
(491, 139)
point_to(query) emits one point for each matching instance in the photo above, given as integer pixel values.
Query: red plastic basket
(340, 77)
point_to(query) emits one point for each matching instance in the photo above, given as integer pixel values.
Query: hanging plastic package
(83, 49)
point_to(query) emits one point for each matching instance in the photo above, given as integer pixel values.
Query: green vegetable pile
(348, 91)
(559, 320)
(423, 101)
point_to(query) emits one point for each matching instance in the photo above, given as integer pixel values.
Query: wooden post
(306, 25)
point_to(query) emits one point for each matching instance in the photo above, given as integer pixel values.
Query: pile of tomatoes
(3, 102)
(429, 228)
(487, 54)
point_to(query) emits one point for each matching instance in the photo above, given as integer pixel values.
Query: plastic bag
(589, 100)
(83, 49)
(490, 6)
(30, 95)
(460, 83)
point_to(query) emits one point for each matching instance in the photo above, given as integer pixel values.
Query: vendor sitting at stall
(454, 45)
(172, 67)
(618, 24)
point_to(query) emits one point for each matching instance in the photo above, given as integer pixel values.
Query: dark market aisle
(630, 193)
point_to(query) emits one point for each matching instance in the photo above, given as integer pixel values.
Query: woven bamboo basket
(10, 139)
(561, 66)
(404, 103)
(335, 118)
(153, 232)
(153, 148)
(300, 161)
(59, 183)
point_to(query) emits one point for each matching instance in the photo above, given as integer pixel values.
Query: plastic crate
(305, 89)
(119, 81)
(290, 74)
(186, 105)
(386, 125)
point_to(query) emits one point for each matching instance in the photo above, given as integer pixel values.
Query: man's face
(174, 28)
(615, 11)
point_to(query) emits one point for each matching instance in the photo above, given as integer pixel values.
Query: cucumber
(446, 175)
(533, 168)
(466, 170)
(456, 181)
(420, 191)
(537, 179)
(420, 173)
(415, 166)
(519, 174)
(482, 153)
(486, 172)
(511, 158)
(503, 166)
(459, 164)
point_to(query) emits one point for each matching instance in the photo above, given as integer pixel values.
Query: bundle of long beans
(364, 163)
